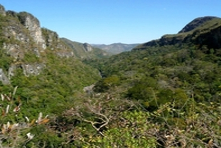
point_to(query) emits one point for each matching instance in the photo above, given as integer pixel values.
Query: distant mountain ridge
(201, 31)
(85, 50)
(115, 48)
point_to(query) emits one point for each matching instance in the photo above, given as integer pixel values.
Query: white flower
(27, 118)
(30, 136)
(2, 96)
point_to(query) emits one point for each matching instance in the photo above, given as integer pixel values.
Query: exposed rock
(89, 89)
(87, 47)
(2, 10)
(11, 13)
(36, 51)
(32, 69)
(51, 37)
(21, 36)
(33, 25)
(66, 54)
(3, 78)
(14, 51)
(28, 69)
(16, 31)
(11, 71)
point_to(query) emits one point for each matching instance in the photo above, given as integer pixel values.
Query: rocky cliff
(2, 10)
(25, 46)
(22, 39)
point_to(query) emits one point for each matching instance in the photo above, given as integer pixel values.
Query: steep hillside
(85, 50)
(205, 31)
(27, 46)
(43, 71)
(39, 75)
(115, 48)
(24, 44)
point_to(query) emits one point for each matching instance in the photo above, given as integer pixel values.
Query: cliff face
(3, 78)
(21, 38)
(2, 10)
(26, 46)
(201, 31)
(33, 26)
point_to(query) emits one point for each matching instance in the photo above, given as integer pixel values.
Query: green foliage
(30, 58)
(104, 84)
(143, 90)
(133, 134)
(44, 138)
(170, 83)
(5, 60)
(54, 89)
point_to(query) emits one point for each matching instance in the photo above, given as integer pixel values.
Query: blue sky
(113, 21)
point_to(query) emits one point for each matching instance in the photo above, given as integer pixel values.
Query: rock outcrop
(3, 77)
(87, 47)
(33, 25)
(32, 69)
(2, 10)
(23, 40)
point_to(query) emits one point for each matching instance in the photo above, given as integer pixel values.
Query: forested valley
(58, 93)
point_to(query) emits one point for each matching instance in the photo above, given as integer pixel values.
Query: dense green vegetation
(178, 86)
(52, 92)
(160, 96)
